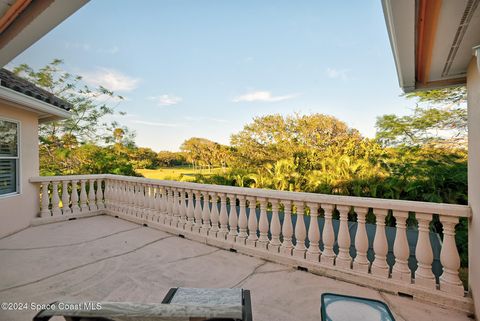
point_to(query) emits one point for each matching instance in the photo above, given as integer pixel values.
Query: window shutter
(8, 176)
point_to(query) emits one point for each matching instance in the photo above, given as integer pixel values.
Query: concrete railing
(288, 227)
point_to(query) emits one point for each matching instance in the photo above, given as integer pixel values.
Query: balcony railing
(288, 227)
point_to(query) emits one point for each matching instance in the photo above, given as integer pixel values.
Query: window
(9, 160)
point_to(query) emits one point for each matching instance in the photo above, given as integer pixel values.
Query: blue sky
(205, 68)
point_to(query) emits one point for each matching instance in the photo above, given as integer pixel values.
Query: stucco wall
(17, 211)
(473, 89)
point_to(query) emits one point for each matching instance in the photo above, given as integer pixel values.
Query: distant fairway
(185, 174)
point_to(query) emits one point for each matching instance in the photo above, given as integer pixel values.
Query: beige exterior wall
(17, 211)
(473, 89)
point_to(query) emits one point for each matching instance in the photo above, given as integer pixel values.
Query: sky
(205, 68)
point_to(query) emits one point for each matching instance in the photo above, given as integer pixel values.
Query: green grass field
(175, 173)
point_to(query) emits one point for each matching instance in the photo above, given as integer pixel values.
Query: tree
(204, 152)
(168, 159)
(271, 138)
(66, 146)
(439, 119)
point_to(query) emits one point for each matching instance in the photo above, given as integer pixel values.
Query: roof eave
(45, 111)
(402, 39)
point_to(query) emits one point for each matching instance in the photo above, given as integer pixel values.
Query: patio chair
(180, 304)
(337, 307)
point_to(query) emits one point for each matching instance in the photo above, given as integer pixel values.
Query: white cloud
(166, 100)
(89, 48)
(264, 96)
(337, 73)
(217, 120)
(157, 124)
(111, 79)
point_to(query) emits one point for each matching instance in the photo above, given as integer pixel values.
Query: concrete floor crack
(84, 265)
(249, 275)
(193, 257)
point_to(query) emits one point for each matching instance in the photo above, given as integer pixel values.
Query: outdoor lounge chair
(337, 307)
(182, 304)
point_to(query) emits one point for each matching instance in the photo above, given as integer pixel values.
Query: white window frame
(17, 158)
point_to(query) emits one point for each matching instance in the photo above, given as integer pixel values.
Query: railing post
(190, 212)
(275, 228)
(197, 212)
(45, 208)
(65, 199)
(232, 219)
(56, 211)
(100, 201)
(287, 228)
(449, 280)
(242, 221)
(401, 250)
(205, 214)
(252, 222)
(182, 210)
(91, 196)
(313, 252)
(74, 198)
(424, 275)
(300, 232)
(344, 259)
(380, 246)
(361, 263)
(263, 225)
(222, 234)
(328, 236)
(83, 196)
(214, 216)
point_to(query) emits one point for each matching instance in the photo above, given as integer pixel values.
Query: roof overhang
(45, 112)
(23, 22)
(432, 40)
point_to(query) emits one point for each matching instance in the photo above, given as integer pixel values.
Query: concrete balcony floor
(108, 259)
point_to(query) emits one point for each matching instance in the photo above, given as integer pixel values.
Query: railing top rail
(367, 202)
(41, 179)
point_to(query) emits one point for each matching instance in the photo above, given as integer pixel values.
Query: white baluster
(83, 196)
(424, 275)
(263, 225)
(175, 207)
(182, 209)
(300, 232)
(242, 221)
(190, 212)
(152, 213)
(380, 267)
(222, 234)
(328, 237)
(198, 212)
(252, 222)
(449, 280)
(74, 198)
(55, 200)
(275, 228)
(401, 250)
(45, 210)
(214, 216)
(344, 259)
(313, 252)
(205, 214)
(361, 262)
(100, 201)
(232, 219)
(287, 229)
(65, 199)
(168, 205)
(91, 196)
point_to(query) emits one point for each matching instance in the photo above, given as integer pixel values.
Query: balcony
(139, 255)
